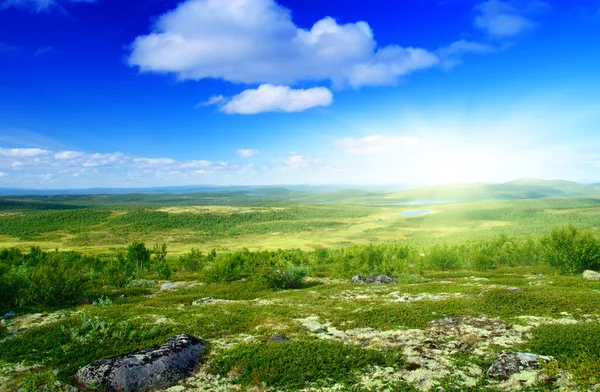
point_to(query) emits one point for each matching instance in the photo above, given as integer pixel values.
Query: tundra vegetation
(89, 277)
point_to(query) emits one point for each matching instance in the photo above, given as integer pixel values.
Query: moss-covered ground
(438, 330)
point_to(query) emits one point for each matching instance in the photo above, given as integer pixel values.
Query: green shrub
(570, 250)
(281, 278)
(53, 282)
(443, 257)
(164, 271)
(227, 267)
(193, 261)
(120, 271)
(139, 255)
(298, 363)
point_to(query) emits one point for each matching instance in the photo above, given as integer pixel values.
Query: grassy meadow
(485, 269)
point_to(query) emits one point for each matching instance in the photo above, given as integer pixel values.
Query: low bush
(570, 250)
(280, 278)
(443, 257)
(53, 282)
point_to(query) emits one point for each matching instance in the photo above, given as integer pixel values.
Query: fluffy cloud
(376, 144)
(269, 98)
(507, 18)
(22, 152)
(246, 152)
(196, 164)
(295, 161)
(256, 41)
(38, 5)
(68, 155)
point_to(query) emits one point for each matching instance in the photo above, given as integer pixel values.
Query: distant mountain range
(518, 189)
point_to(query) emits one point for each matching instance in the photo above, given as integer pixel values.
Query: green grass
(576, 347)
(231, 221)
(300, 363)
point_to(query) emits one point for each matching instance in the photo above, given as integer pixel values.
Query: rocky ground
(455, 331)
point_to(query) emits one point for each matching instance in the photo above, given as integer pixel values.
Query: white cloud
(38, 5)
(2, 174)
(246, 152)
(295, 161)
(144, 162)
(196, 164)
(256, 41)
(462, 46)
(376, 144)
(22, 152)
(214, 100)
(68, 155)
(269, 98)
(98, 159)
(42, 51)
(501, 18)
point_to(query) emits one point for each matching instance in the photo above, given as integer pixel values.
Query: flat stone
(168, 286)
(511, 363)
(380, 279)
(278, 339)
(205, 300)
(158, 367)
(375, 279)
(591, 275)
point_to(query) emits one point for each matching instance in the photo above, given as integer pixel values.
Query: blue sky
(103, 93)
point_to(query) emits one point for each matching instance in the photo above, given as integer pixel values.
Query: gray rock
(508, 364)
(157, 367)
(375, 279)
(357, 279)
(278, 339)
(380, 279)
(514, 289)
(9, 315)
(205, 300)
(168, 286)
(591, 275)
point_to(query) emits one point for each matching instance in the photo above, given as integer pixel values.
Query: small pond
(415, 213)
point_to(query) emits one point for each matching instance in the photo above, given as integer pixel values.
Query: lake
(416, 212)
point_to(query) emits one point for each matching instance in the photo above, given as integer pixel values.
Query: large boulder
(591, 275)
(157, 367)
(380, 279)
(508, 364)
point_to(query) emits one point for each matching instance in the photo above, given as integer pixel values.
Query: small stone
(357, 279)
(123, 296)
(168, 286)
(9, 315)
(205, 300)
(591, 275)
(465, 347)
(278, 339)
(511, 363)
(514, 289)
